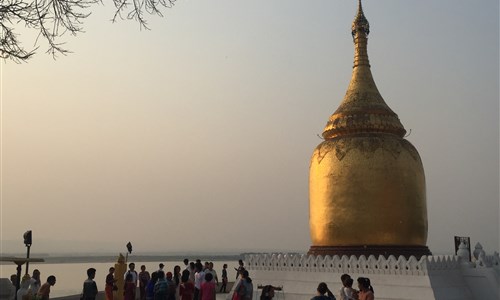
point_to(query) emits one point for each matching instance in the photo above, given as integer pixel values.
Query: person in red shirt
(186, 288)
(207, 291)
(110, 284)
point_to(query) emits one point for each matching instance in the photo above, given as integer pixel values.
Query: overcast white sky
(197, 135)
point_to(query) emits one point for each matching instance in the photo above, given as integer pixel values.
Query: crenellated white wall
(430, 278)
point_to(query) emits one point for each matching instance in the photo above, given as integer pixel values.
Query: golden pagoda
(367, 183)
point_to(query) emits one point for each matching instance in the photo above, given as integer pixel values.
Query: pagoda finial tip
(360, 22)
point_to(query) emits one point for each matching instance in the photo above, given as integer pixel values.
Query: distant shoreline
(81, 258)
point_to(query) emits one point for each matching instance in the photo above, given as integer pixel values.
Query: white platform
(430, 278)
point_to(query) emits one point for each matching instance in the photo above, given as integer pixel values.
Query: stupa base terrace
(428, 278)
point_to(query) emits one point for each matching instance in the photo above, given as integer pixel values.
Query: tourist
(186, 289)
(207, 291)
(186, 264)
(150, 287)
(267, 292)
(199, 277)
(343, 278)
(192, 271)
(44, 291)
(89, 286)
(212, 271)
(129, 287)
(241, 267)
(349, 292)
(144, 278)
(365, 289)
(177, 280)
(35, 282)
(24, 292)
(224, 279)
(172, 288)
(244, 288)
(133, 272)
(321, 291)
(110, 284)
(161, 287)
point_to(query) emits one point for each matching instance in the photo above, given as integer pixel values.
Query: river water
(70, 276)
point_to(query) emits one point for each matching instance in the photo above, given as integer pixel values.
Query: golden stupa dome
(367, 184)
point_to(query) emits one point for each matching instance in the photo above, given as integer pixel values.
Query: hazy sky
(197, 135)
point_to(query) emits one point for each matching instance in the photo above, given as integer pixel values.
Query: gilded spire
(363, 109)
(360, 30)
(360, 22)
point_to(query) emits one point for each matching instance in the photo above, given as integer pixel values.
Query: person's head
(240, 262)
(244, 274)
(161, 275)
(364, 284)
(51, 279)
(177, 270)
(192, 265)
(129, 277)
(344, 277)
(186, 261)
(161, 265)
(143, 268)
(91, 273)
(224, 266)
(185, 276)
(198, 261)
(267, 292)
(13, 279)
(198, 267)
(36, 274)
(210, 265)
(111, 270)
(209, 277)
(25, 281)
(169, 275)
(131, 266)
(207, 264)
(322, 288)
(348, 282)
(154, 276)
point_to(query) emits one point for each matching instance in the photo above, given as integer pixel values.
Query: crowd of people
(31, 287)
(196, 281)
(347, 292)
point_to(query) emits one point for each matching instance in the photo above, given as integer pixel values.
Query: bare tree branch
(52, 19)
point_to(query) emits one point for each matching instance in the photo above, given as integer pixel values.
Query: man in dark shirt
(89, 286)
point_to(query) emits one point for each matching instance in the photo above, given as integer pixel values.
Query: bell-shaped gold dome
(367, 184)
